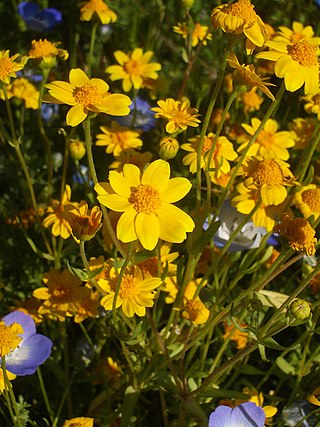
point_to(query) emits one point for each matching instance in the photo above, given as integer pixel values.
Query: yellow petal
(116, 105)
(77, 77)
(119, 184)
(76, 115)
(176, 189)
(126, 226)
(121, 57)
(157, 175)
(114, 202)
(147, 230)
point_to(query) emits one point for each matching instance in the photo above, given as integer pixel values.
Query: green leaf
(129, 403)
(285, 366)
(205, 237)
(78, 272)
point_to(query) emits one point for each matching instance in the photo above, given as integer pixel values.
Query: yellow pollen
(41, 48)
(193, 307)
(87, 95)
(145, 199)
(132, 68)
(267, 172)
(6, 67)
(207, 144)
(265, 138)
(9, 337)
(301, 236)
(61, 293)
(312, 198)
(244, 10)
(129, 287)
(296, 37)
(304, 53)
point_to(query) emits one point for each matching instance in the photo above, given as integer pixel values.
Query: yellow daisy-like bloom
(298, 32)
(240, 17)
(22, 89)
(46, 51)
(79, 422)
(179, 114)
(312, 105)
(9, 66)
(84, 223)
(297, 63)
(150, 266)
(86, 95)
(234, 334)
(269, 176)
(60, 226)
(136, 293)
(265, 216)
(146, 202)
(245, 75)
(298, 232)
(270, 142)
(199, 33)
(118, 138)
(134, 68)
(222, 154)
(92, 7)
(314, 398)
(195, 311)
(307, 200)
(10, 378)
(251, 101)
(9, 337)
(302, 130)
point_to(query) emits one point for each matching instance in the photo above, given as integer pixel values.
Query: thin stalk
(45, 395)
(8, 386)
(306, 161)
(92, 42)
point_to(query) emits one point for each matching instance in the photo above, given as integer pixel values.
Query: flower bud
(300, 309)
(77, 149)
(168, 148)
(187, 4)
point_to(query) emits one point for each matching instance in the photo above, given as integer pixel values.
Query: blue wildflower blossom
(140, 117)
(33, 350)
(298, 414)
(37, 19)
(247, 414)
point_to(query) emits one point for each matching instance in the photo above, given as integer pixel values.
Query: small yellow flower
(179, 114)
(10, 378)
(240, 17)
(298, 232)
(199, 33)
(234, 334)
(134, 68)
(60, 227)
(298, 32)
(302, 131)
(46, 51)
(168, 147)
(270, 142)
(118, 138)
(77, 149)
(195, 311)
(9, 337)
(22, 89)
(307, 200)
(146, 202)
(312, 105)
(86, 95)
(297, 63)
(251, 101)
(9, 66)
(79, 422)
(92, 7)
(314, 397)
(84, 223)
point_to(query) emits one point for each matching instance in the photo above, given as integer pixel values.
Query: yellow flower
(132, 157)
(79, 422)
(195, 311)
(251, 101)
(10, 378)
(60, 227)
(21, 88)
(91, 7)
(302, 131)
(297, 63)
(150, 266)
(245, 75)
(298, 32)
(307, 200)
(134, 68)
(221, 155)
(240, 17)
(118, 138)
(234, 334)
(269, 176)
(46, 51)
(298, 232)
(168, 147)
(269, 143)
(9, 66)
(146, 202)
(314, 397)
(312, 104)
(136, 293)
(199, 33)
(84, 223)
(77, 149)
(9, 337)
(179, 114)
(86, 95)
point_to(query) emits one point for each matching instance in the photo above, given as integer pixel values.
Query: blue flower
(247, 414)
(49, 112)
(33, 350)
(37, 19)
(140, 117)
(297, 414)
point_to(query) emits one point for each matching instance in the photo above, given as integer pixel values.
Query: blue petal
(25, 359)
(220, 417)
(24, 320)
(53, 15)
(28, 10)
(248, 415)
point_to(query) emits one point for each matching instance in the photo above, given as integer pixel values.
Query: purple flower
(140, 117)
(37, 19)
(247, 414)
(33, 350)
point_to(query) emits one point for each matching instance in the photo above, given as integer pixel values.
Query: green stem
(306, 161)
(12, 400)
(45, 396)
(92, 42)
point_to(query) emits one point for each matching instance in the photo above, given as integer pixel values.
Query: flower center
(61, 293)
(9, 337)
(312, 198)
(41, 48)
(207, 144)
(243, 9)
(305, 53)
(6, 67)
(300, 233)
(145, 199)
(265, 138)
(129, 287)
(87, 95)
(132, 68)
(267, 172)
(193, 308)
